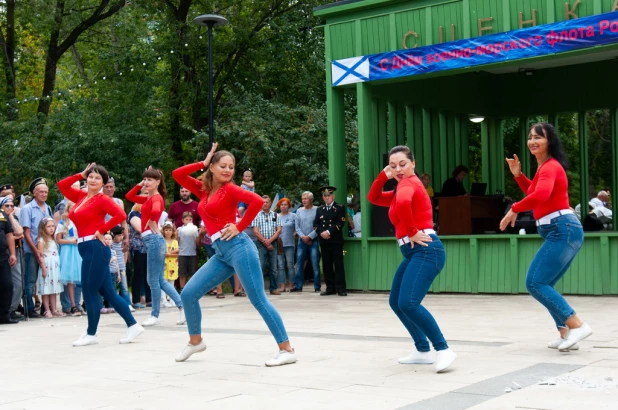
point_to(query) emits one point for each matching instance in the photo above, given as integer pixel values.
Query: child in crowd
(48, 282)
(187, 244)
(171, 256)
(119, 274)
(248, 185)
(70, 260)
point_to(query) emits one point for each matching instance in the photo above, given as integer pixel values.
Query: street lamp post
(210, 20)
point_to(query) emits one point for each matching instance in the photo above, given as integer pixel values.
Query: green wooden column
(444, 171)
(613, 114)
(485, 149)
(498, 154)
(427, 163)
(367, 147)
(335, 117)
(524, 155)
(583, 162)
(336, 141)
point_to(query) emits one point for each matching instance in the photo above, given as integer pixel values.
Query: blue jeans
(156, 248)
(271, 257)
(286, 262)
(96, 280)
(411, 283)
(239, 255)
(66, 302)
(210, 252)
(564, 237)
(302, 252)
(31, 272)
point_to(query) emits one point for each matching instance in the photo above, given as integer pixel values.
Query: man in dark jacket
(7, 260)
(328, 224)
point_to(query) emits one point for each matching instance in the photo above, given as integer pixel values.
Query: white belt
(216, 235)
(86, 238)
(547, 218)
(146, 233)
(406, 239)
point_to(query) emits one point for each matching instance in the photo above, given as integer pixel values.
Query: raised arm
(65, 187)
(378, 197)
(183, 176)
(133, 195)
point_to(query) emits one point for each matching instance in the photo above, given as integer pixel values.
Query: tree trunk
(8, 44)
(51, 61)
(177, 134)
(56, 50)
(80, 65)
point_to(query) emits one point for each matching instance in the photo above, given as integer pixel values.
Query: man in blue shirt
(31, 216)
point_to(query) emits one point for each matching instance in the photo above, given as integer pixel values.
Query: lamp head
(213, 20)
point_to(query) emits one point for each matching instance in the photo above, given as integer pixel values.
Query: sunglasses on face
(8, 206)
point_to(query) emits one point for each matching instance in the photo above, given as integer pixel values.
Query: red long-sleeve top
(152, 207)
(547, 192)
(90, 217)
(219, 210)
(409, 205)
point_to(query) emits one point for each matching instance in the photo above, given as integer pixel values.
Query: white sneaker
(131, 308)
(555, 343)
(132, 333)
(151, 321)
(189, 350)
(85, 339)
(182, 319)
(444, 359)
(575, 335)
(417, 357)
(283, 357)
(167, 305)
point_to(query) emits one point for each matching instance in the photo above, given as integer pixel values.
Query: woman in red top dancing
(235, 252)
(88, 215)
(411, 212)
(547, 195)
(153, 205)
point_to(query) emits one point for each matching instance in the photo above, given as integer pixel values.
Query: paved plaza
(347, 350)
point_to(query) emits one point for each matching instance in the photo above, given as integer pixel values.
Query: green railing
(488, 264)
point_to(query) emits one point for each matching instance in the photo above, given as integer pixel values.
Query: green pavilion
(431, 112)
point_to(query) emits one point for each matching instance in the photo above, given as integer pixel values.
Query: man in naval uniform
(328, 224)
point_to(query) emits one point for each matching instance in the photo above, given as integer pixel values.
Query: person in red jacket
(411, 213)
(235, 252)
(88, 215)
(153, 205)
(548, 197)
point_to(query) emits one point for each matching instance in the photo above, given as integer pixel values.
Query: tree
(56, 48)
(8, 54)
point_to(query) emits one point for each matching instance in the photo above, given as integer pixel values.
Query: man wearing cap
(31, 216)
(7, 260)
(328, 224)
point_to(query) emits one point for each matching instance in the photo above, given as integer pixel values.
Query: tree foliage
(130, 88)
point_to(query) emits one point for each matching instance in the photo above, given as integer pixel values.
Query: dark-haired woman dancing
(88, 215)
(153, 205)
(547, 195)
(411, 212)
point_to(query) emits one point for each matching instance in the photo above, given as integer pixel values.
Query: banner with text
(536, 41)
